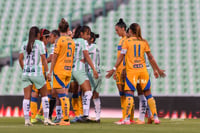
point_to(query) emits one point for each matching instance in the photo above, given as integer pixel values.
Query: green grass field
(15, 125)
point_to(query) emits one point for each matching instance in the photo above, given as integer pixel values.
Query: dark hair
(32, 37)
(127, 30)
(94, 36)
(44, 32)
(63, 25)
(135, 28)
(121, 24)
(80, 29)
(55, 33)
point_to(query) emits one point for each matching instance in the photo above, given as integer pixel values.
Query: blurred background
(170, 26)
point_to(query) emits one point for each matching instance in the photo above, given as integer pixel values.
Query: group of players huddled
(74, 68)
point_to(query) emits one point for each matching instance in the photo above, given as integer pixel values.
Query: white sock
(149, 112)
(86, 102)
(45, 105)
(97, 105)
(58, 112)
(142, 107)
(26, 108)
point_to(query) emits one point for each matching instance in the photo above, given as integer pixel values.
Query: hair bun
(63, 20)
(121, 20)
(97, 35)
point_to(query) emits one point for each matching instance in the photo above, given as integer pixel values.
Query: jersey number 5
(69, 47)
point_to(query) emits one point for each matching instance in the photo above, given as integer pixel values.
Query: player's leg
(142, 105)
(120, 86)
(27, 85)
(80, 102)
(59, 84)
(34, 104)
(97, 105)
(146, 87)
(75, 103)
(26, 104)
(82, 79)
(58, 110)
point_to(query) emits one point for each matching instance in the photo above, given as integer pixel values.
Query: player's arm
(119, 60)
(49, 58)
(155, 65)
(89, 61)
(21, 62)
(44, 62)
(53, 62)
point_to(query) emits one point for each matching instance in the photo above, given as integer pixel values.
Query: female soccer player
(79, 76)
(45, 38)
(133, 50)
(143, 106)
(61, 67)
(31, 54)
(94, 53)
(120, 29)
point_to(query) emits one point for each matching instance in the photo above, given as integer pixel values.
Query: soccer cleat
(150, 120)
(84, 119)
(119, 122)
(28, 123)
(56, 120)
(48, 122)
(132, 121)
(40, 118)
(64, 123)
(76, 119)
(157, 121)
(34, 120)
(127, 122)
(139, 122)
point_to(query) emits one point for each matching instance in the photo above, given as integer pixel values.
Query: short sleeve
(42, 49)
(57, 47)
(52, 49)
(147, 48)
(124, 47)
(85, 45)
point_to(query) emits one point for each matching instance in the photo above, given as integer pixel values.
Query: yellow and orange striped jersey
(64, 48)
(134, 50)
(119, 48)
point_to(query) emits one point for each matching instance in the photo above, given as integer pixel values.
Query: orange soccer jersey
(135, 63)
(119, 48)
(64, 48)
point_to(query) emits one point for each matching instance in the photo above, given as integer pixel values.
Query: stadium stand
(170, 27)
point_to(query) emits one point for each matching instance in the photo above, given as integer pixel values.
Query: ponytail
(32, 37)
(94, 36)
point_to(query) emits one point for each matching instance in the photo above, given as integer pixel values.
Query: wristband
(114, 68)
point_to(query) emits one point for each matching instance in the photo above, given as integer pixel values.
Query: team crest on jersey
(67, 67)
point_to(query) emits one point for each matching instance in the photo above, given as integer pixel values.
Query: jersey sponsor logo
(138, 66)
(67, 67)
(137, 61)
(67, 61)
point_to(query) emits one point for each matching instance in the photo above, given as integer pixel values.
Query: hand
(162, 73)
(110, 73)
(156, 74)
(115, 76)
(49, 76)
(123, 75)
(95, 73)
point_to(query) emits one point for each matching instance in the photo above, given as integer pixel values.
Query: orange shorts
(61, 81)
(119, 79)
(133, 77)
